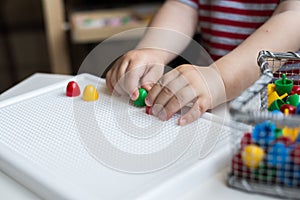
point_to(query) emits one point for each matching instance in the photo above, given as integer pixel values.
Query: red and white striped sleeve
(225, 24)
(192, 3)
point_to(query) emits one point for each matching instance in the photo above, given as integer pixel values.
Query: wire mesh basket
(266, 140)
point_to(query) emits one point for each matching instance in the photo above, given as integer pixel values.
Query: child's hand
(142, 67)
(187, 83)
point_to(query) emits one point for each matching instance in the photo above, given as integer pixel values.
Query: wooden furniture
(54, 16)
(82, 32)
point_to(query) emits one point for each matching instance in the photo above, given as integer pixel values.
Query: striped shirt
(224, 24)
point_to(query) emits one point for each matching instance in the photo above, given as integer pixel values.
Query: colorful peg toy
(265, 173)
(238, 166)
(273, 96)
(264, 133)
(271, 88)
(298, 110)
(271, 152)
(277, 155)
(140, 102)
(148, 110)
(283, 85)
(284, 140)
(275, 101)
(296, 90)
(295, 155)
(290, 175)
(90, 93)
(293, 100)
(291, 133)
(246, 140)
(252, 156)
(72, 89)
(288, 109)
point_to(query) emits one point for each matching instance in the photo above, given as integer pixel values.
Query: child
(232, 31)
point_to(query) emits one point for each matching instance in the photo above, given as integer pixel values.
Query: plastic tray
(48, 142)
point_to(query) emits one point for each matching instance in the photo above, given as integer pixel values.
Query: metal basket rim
(235, 106)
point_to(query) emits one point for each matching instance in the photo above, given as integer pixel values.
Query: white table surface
(214, 188)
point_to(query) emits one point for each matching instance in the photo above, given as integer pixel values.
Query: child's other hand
(142, 67)
(203, 86)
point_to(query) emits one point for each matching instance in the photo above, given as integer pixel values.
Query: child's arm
(279, 34)
(145, 64)
(238, 69)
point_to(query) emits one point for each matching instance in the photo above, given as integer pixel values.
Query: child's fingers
(152, 76)
(157, 88)
(108, 81)
(122, 66)
(170, 91)
(111, 82)
(199, 107)
(112, 79)
(178, 101)
(121, 76)
(132, 78)
(115, 83)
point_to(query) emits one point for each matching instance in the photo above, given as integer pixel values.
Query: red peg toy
(295, 155)
(246, 140)
(291, 109)
(73, 89)
(295, 90)
(285, 140)
(148, 110)
(238, 168)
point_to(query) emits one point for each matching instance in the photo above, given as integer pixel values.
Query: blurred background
(54, 36)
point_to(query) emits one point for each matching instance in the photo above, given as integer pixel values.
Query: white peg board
(47, 142)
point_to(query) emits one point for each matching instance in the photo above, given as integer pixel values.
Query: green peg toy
(276, 105)
(283, 85)
(293, 100)
(140, 102)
